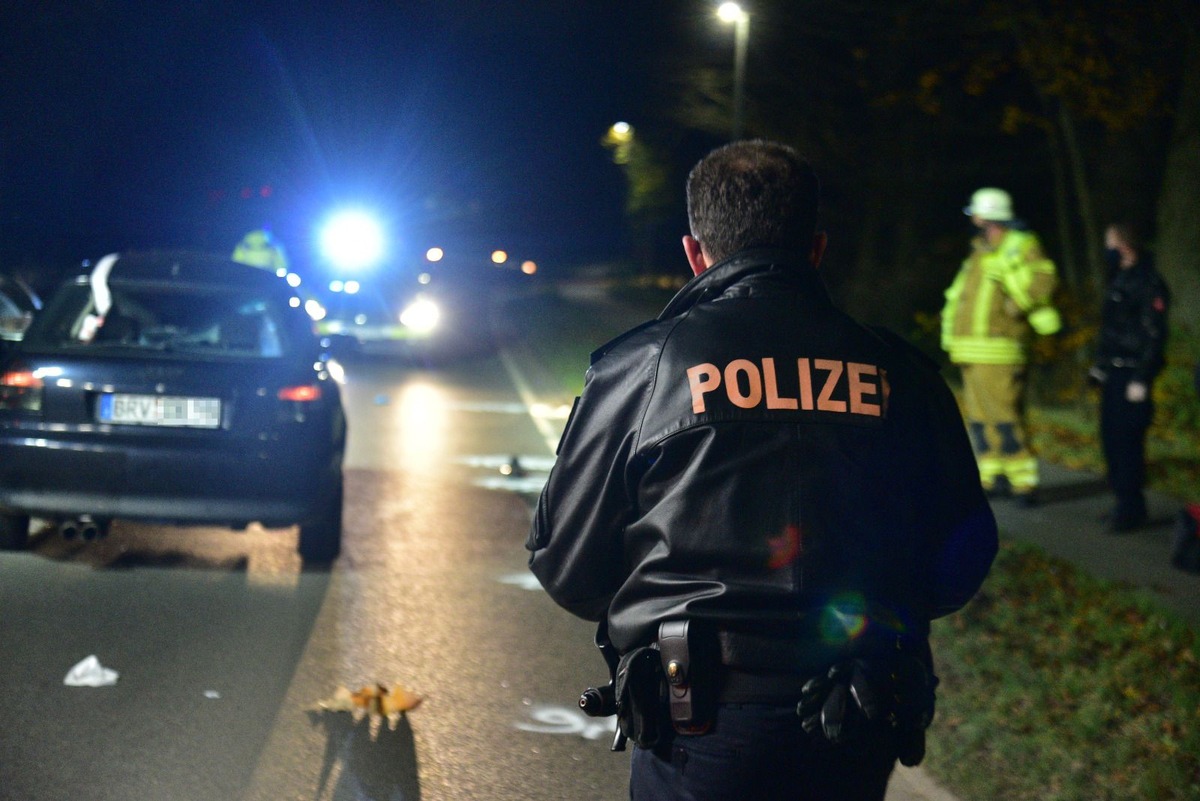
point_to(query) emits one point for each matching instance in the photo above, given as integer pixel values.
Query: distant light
(351, 288)
(528, 267)
(352, 240)
(294, 302)
(434, 254)
(360, 319)
(281, 272)
(293, 280)
(314, 308)
(336, 286)
(499, 257)
(731, 12)
(424, 278)
(621, 128)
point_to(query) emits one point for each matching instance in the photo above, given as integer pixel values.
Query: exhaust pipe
(84, 526)
(89, 529)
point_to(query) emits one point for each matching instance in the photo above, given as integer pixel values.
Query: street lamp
(734, 13)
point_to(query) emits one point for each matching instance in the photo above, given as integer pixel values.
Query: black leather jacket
(1133, 325)
(757, 459)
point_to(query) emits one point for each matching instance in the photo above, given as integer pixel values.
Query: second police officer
(1129, 355)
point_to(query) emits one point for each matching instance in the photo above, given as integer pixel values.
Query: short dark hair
(1128, 232)
(752, 193)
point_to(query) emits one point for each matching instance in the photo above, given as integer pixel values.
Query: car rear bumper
(231, 512)
(217, 487)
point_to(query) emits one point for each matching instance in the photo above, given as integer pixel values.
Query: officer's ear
(820, 241)
(695, 254)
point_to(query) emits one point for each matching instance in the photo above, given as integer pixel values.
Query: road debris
(376, 701)
(90, 673)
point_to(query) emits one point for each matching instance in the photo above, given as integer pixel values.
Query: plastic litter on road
(90, 673)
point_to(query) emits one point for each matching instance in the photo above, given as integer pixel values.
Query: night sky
(145, 124)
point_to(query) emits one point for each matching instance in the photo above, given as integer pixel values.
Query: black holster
(641, 696)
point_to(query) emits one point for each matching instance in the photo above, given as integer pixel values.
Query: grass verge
(1057, 686)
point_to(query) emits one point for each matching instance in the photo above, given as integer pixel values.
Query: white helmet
(990, 204)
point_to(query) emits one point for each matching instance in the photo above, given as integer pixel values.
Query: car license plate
(159, 410)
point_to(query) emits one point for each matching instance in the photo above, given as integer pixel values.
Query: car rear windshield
(167, 317)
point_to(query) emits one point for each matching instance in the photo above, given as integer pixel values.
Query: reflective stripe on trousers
(993, 400)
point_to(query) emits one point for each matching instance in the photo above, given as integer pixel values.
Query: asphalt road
(224, 646)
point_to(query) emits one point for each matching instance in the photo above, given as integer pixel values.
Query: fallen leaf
(399, 700)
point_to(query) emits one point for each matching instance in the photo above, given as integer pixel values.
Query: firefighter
(763, 503)
(260, 249)
(999, 300)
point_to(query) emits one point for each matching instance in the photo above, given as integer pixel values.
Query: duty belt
(755, 652)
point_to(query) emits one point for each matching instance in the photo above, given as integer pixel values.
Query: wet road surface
(224, 646)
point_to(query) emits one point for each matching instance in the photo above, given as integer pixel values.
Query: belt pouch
(682, 649)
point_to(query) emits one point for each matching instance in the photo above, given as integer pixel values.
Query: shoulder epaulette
(600, 352)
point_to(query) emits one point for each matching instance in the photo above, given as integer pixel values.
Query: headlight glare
(421, 315)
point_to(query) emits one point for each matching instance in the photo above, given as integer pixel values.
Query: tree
(1179, 203)
(907, 107)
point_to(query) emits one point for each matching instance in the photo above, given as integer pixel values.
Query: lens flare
(844, 619)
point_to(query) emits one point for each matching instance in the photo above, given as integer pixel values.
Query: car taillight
(20, 390)
(304, 393)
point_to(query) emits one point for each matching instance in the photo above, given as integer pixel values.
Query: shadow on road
(375, 760)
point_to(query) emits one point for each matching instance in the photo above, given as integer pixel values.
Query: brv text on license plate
(159, 410)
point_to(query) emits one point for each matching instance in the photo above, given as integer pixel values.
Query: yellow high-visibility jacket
(1000, 297)
(258, 249)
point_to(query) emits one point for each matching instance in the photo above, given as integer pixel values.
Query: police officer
(1000, 297)
(260, 249)
(1129, 354)
(797, 486)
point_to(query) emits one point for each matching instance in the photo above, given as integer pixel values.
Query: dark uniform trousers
(1123, 428)
(760, 752)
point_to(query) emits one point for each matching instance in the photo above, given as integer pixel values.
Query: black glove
(899, 692)
(836, 704)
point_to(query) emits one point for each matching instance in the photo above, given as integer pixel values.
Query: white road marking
(495, 461)
(548, 431)
(564, 720)
(526, 581)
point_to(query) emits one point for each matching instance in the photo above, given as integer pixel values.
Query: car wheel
(14, 532)
(321, 537)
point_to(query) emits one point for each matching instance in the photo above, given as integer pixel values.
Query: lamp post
(734, 13)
